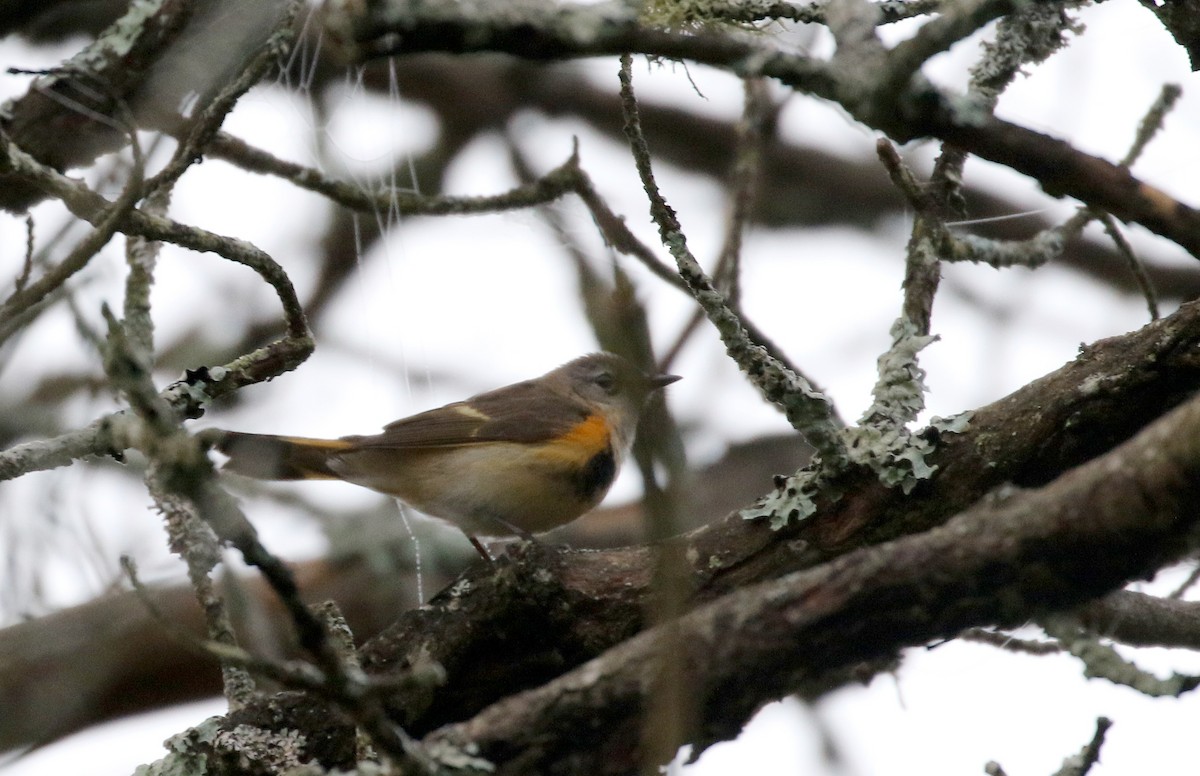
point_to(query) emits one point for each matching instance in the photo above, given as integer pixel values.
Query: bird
(515, 461)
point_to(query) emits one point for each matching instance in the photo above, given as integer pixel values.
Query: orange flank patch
(321, 444)
(588, 437)
(577, 445)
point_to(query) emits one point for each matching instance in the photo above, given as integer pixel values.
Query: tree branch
(996, 564)
(149, 60)
(555, 31)
(1144, 620)
(503, 630)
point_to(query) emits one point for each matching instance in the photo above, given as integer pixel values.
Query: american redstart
(518, 460)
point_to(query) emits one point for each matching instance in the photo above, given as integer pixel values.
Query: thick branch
(1144, 620)
(1182, 20)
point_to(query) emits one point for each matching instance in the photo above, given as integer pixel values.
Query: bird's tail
(270, 457)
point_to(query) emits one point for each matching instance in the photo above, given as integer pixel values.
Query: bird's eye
(607, 382)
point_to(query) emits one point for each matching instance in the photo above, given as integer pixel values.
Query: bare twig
(957, 21)
(1135, 264)
(111, 434)
(1152, 122)
(744, 182)
(93, 208)
(1187, 584)
(354, 196)
(142, 255)
(1080, 764)
(1103, 662)
(745, 178)
(295, 674)
(27, 267)
(562, 31)
(809, 411)
(204, 126)
(108, 219)
(1010, 643)
(747, 11)
(80, 110)
(182, 471)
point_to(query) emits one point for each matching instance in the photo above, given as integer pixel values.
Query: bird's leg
(520, 533)
(509, 528)
(478, 545)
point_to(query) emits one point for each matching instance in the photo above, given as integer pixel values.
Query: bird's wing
(522, 412)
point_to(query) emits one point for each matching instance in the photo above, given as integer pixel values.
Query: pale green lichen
(955, 424)
(896, 455)
(270, 750)
(899, 392)
(791, 501)
(116, 41)
(882, 440)
(183, 758)
(1046, 245)
(898, 458)
(480, 19)
(110, 46)
(701, 14)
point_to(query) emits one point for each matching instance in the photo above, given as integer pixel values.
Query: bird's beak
(659, 382)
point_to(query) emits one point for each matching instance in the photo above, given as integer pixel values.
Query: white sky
(440, 298)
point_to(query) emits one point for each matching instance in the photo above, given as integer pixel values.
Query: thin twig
(745, 178)
(809, 411)
(1187, 584)
(549, 187)
(588, 279)
(27, 267)
(1079, 764)
(296, 674)
(1135, 264)
(183, 471)
(744, 182)
(1103, 662)
(95, 209)
(1010, 643)
(748, 11)
(882, 439)
(922, 260)
(619, 236)
(1152, 122)
(207, 122)
(108, 218)
(957, 21)
(141, 255)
